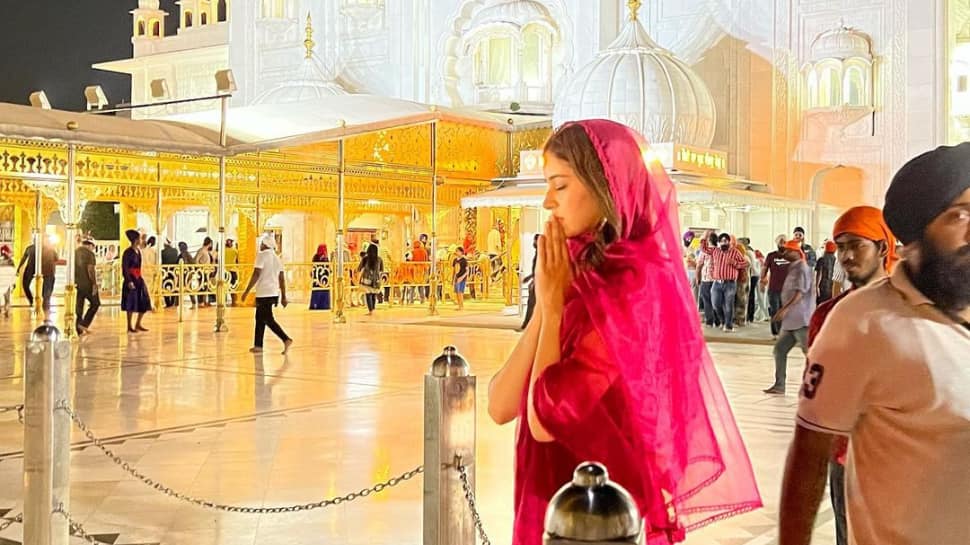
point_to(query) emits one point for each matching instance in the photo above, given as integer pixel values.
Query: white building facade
(755, 57)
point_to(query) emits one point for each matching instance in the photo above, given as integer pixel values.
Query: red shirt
(724, 265)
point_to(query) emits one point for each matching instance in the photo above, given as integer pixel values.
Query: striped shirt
(724, 265)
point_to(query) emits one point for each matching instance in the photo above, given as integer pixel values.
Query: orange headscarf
(867, 222)
(795, 245)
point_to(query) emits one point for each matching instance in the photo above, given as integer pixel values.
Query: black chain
(131, 470)
(8, 522)
(470, 496)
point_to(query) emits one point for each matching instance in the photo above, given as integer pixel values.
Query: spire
(634, 6)
(308, 43)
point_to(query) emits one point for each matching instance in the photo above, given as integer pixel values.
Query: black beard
(943, 277)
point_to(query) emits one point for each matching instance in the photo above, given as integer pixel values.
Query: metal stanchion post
(47, 437)
(449, 433)
(592, 510)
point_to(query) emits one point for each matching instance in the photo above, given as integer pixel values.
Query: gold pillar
(338, 314)
(220, 325)
(70, 290)
(434, 280)
(507, 262)
(156, 287)
(39, 223)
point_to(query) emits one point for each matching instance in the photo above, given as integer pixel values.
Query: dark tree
(101, 221)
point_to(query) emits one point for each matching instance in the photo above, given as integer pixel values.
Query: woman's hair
(371, 259)
(572, 145)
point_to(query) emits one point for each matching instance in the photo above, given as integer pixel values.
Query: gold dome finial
(634, 6)
(308, 43)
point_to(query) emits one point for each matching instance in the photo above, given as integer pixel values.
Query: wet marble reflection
(342, 411)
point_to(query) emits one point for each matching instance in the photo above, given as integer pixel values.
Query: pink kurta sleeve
(568, 392)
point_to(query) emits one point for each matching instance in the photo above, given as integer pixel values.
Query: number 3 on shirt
(812, 380)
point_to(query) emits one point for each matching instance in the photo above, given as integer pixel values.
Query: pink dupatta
(655, 405)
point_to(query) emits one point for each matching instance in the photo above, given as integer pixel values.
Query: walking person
(204, 257)
(86, 283)
(26, 271)
(707, 283)
(185, 258)
(798, 302)
(889, 371)
(726, 265)
(773, 274)
(134, 293)
(320, 294)
(270, 284)
(810, 258)
(754, 279)
(741, 297)
(867, 248)
(231, 257)
(824, 270)
(170, 256)
(370, 270)
(608, 279)
(8, 278)
(460, 267)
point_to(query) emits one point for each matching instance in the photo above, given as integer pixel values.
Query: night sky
(50, 45)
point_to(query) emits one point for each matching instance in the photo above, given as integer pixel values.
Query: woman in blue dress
(320, 296)
(134, 292)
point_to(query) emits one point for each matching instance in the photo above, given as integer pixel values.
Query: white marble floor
(196, 411)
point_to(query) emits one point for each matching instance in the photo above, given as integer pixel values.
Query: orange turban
(795, 245)
(830, 247)
(867, 222)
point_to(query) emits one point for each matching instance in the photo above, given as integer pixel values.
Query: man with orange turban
(867, 253)
(888, 370)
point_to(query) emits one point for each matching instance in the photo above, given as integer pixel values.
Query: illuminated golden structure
(340, 176)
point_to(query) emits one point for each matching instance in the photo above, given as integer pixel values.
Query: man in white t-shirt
(890, 370)
(270, 286)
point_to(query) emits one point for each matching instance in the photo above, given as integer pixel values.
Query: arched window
(203, 18)
(830, 87)
(188, 19)
(156, 28)
(536, 67)
(274, 9)
(513, 65)
(141, 28)
(812, 90)
(222, 11)
(855, 90)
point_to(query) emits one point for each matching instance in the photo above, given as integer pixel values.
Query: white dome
(147, 4)
(298, 91)
(514, 12)
(638, 83)
(841, 43)
(315, 83)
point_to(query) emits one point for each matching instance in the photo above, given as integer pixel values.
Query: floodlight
(225, 82)
(38, 99)
(95, 97)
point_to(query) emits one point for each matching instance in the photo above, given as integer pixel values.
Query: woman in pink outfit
(613, 367)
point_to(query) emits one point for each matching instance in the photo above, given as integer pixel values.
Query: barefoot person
(613, 366)
(270, 286)
(460, 266)
(889, 371)
(134, 292)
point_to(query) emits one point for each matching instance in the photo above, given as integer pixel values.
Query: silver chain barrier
(12, 408)
(74, 526)
(128, 468)
(470, 496)
(8, 522)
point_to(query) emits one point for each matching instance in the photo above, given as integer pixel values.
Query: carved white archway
(471, 24)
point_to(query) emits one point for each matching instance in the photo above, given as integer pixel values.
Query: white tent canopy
(250, 128)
